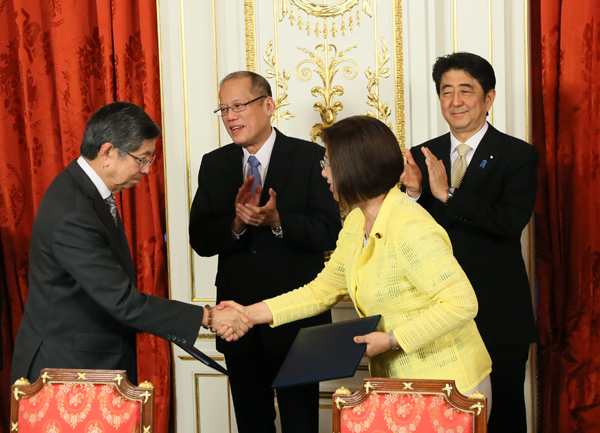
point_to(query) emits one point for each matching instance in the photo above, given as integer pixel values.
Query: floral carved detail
(281, 81)
(327, 69)
(383, 111)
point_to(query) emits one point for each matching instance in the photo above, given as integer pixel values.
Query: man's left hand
(266, 215)
(438, 179)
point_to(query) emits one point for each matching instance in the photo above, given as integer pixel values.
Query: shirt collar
(264, 153)
(473, 142)
(91, 173)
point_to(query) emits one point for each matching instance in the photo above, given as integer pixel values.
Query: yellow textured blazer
(406, 273)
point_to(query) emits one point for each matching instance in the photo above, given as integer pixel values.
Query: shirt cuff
(237, 236)
(415, 199)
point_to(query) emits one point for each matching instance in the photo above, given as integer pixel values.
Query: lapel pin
(491, 156)
(483, 163)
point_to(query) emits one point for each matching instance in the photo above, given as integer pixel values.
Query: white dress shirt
(98, 182)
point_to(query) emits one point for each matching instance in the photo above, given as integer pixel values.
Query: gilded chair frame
(144, 393)
(476, 404)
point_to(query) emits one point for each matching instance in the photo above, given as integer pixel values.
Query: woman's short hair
(365, 158)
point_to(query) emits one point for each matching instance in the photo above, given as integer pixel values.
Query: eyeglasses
(236, 108)
(143, 162)
(324, 163)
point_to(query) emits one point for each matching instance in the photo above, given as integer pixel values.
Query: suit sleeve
(82, 248)
(504, 215)
(317, 228)
(210, 218)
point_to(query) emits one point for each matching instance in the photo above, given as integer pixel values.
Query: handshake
(229, 320)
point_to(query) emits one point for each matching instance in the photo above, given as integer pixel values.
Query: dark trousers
(508, 398)
(250, 379)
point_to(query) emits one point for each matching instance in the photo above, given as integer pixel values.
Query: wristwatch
(450, 192)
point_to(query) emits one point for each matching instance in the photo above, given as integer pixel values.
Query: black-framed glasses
(324, 163)
(236, 108)
(143, 162)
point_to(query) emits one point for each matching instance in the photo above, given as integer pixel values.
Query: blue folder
(325, 352)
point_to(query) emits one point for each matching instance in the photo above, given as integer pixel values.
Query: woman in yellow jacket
(393, 259)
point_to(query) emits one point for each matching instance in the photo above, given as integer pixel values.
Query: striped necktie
(112, 206)
(460, 165)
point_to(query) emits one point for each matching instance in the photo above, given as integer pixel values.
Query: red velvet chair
(408, 406)
(81, 401)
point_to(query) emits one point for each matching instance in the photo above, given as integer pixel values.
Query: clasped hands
(236, 322)
(248, 211)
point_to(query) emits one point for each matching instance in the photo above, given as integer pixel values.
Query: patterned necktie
(460, 165)
(112, 206)
(253, 171)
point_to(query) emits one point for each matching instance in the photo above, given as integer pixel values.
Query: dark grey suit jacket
(484, 220)
(83, 308)
(259, 265)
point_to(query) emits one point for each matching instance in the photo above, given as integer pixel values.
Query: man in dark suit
(83, 308)
(264, 208)
(483, 194)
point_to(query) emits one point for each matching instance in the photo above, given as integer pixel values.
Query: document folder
(325, 352)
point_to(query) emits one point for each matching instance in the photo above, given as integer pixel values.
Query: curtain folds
(566, 130)
(59, 61)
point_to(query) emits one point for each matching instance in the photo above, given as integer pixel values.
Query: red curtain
(59, 61)
(566, 87)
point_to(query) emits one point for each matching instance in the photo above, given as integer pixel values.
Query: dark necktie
(112, 206)
(253, 171)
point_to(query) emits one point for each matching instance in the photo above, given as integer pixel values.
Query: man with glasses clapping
(263, 207)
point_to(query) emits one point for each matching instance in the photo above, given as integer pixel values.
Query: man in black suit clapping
(480, 185)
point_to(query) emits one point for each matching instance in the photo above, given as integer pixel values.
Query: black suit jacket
(484, 220)
(259, 265)
(83, 308)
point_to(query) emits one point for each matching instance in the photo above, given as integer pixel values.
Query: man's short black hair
(123, 124)
(474, 65)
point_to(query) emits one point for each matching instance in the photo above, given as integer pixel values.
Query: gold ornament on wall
(373, 77)
(325, 13)
(327, 70)
(281, 81)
